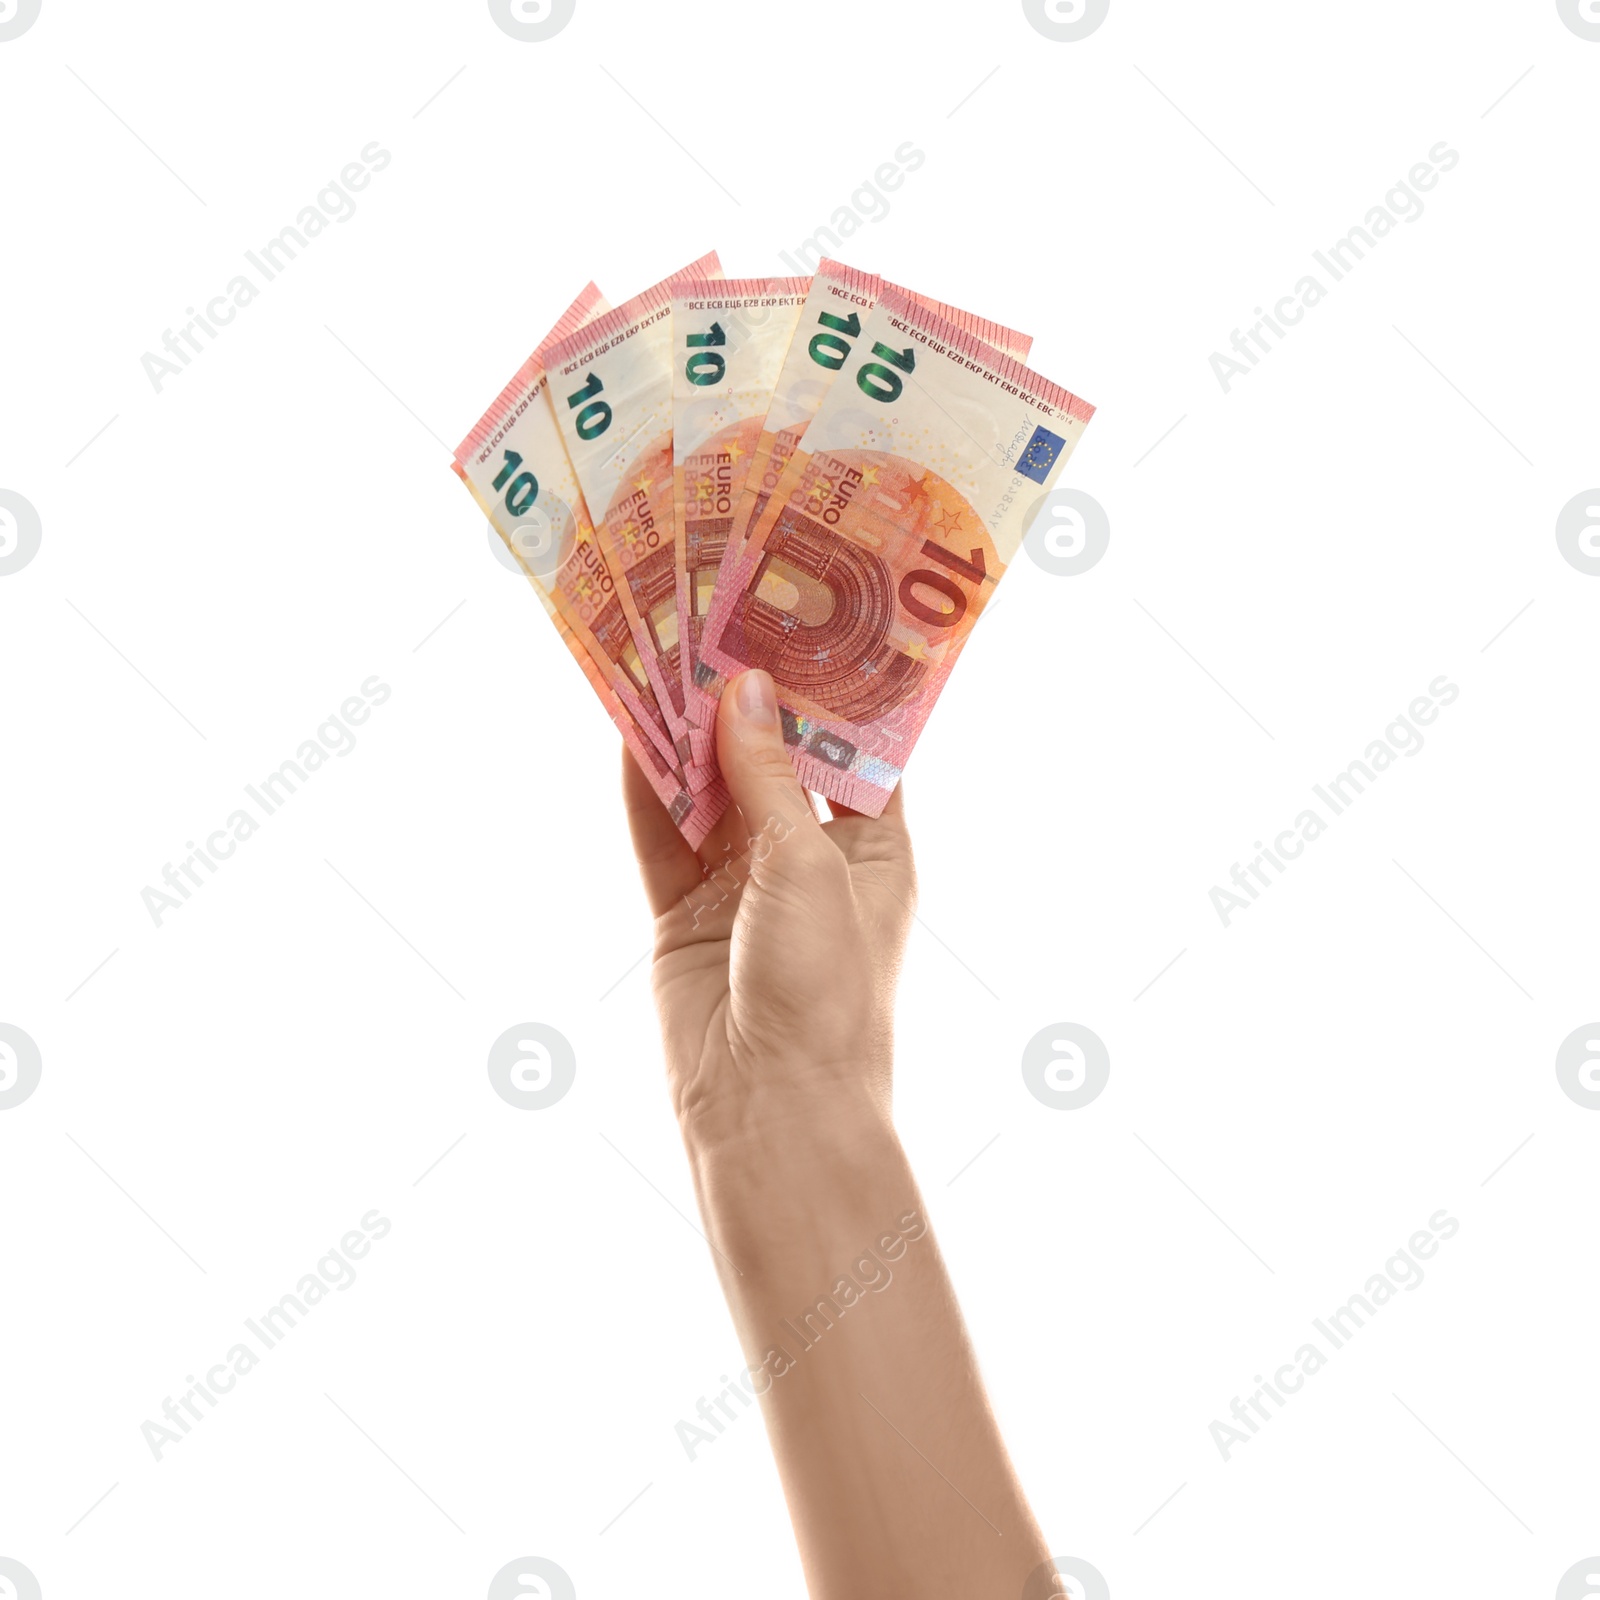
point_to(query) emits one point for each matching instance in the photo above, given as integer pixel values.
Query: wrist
(768, 1112)
(790, 1173)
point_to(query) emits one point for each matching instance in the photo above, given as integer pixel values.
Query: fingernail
(758, 700)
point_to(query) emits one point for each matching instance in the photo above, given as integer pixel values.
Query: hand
(778, 945)
(777, 950)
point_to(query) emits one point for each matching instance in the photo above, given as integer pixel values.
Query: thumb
(755, 761)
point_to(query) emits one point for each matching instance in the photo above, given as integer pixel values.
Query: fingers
(727, 842)
(767, 798)
(755, 761)
(667, 866)
(883, 839)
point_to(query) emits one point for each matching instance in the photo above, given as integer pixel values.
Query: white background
(1289, 1100)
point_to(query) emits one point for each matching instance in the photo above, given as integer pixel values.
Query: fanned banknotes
(611, 389)
(824, 478)
(517, 468)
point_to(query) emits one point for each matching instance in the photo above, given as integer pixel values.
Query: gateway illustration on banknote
(821, 477)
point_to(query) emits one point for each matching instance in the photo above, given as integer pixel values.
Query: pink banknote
(829, 324)
(729, 340)
(883, 538)
(611, 389)
(516, 467)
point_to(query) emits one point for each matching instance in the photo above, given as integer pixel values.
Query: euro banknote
(824, 478)
(516, 467)
(729, 339)
(884, 536)
(611, 389)
(828, 325)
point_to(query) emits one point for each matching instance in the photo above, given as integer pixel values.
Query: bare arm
(775, 977)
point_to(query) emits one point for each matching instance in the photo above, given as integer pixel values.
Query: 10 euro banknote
(611, 390)
(821, 477)
(884, 538)
(516, 465)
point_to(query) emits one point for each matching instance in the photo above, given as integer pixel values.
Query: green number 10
(877, 382)
(705, 366)
(828, 349)
(594, 418)
(524, 489)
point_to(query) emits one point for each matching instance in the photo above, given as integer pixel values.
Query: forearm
(897, 1480)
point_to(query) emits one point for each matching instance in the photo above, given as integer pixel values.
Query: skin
(777, 950)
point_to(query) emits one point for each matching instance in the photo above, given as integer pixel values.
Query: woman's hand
(777, 950)
(778, 945)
